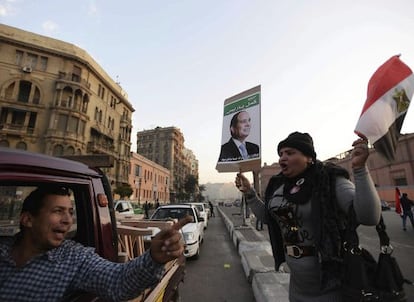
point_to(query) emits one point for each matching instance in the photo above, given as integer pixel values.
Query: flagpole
(243, 209)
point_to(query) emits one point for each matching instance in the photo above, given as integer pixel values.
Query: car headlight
(189, 236)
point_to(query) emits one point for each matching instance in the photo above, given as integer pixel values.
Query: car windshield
(200, 207)
(173, 213)
(123, 206)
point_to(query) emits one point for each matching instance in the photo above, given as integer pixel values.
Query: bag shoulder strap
(351, 235)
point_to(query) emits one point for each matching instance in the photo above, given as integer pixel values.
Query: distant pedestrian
(406, 205)
(211, 209)
(146, 210)
(157, 204)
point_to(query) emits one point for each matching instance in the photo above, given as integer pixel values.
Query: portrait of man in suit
(237, 148)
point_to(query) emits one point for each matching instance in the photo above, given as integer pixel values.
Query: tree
(201, 189)
(124, 191)
(190, 185)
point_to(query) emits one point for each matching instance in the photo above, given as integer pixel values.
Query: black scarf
(298, 190)
(329, 222)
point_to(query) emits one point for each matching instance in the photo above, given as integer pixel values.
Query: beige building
(165, 146)
(386, 176)
(149, 181)
(55, 99)
(192, 161)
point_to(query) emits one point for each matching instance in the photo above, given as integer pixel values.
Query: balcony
(103, 148)
(15, 129)
(73, 80)
(125, 122)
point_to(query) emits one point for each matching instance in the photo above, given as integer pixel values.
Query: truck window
(11, 200)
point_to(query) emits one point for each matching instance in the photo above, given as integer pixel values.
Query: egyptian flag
(397, 201)
(390, 90)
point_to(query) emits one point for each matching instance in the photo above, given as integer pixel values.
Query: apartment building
(165, 146)
(55, 99)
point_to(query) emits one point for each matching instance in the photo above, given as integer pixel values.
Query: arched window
(70, 150)
(85, 103)
(66, 100)
(9, 91)
(58, 150)
(24, 91)
(4, 143)
(36, 96)
(78, 99)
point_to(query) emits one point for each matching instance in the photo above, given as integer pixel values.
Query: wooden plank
(157, 293)
(147, 223)
(133, 231)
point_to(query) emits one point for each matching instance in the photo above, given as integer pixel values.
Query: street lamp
(138, 185)
(139, 190)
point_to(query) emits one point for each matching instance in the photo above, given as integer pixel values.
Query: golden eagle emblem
(402, 100)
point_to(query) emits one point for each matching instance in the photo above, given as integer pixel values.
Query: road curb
(257, 261)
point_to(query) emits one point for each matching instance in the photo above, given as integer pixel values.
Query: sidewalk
(256, 257)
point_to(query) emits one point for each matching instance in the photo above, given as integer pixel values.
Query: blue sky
(179, 60)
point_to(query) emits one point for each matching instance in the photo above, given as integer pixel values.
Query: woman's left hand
(360, 153)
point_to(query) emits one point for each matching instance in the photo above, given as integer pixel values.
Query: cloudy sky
(179, 61)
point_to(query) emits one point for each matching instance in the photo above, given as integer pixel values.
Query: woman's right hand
(242, 183)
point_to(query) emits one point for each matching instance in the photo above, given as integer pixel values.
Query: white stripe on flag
(375, 122)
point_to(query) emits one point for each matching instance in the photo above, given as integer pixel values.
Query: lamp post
(139, 190)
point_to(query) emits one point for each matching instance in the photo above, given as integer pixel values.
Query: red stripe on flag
(397, 201)
(386, 77)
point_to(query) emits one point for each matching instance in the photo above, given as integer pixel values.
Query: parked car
(202, 209)
(385, 206)
(193, 232)
(124, 207)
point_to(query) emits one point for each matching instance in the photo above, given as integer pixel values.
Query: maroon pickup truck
(94, 220)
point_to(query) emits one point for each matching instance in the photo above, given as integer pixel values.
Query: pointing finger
(182, 222)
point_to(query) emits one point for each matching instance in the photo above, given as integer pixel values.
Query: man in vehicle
(237, 148)
(39, 264)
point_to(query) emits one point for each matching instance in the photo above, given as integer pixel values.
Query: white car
(124, 207)
(201, 208)
(193, 232)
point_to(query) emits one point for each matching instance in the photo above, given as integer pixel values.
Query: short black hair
(35, 200)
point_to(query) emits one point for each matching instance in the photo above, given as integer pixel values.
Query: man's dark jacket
(230, 151)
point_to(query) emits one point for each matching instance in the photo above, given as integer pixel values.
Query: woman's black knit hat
(300, 141)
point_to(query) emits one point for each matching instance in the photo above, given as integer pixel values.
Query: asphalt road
(217, 275)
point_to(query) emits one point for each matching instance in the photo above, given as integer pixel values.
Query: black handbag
(364, 278)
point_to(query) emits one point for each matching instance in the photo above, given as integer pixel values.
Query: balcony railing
(74, 78)
(95, 147)
(16, 129)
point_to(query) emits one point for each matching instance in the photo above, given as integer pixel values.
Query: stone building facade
(165, 146)
(55, 99)
(386, 176)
